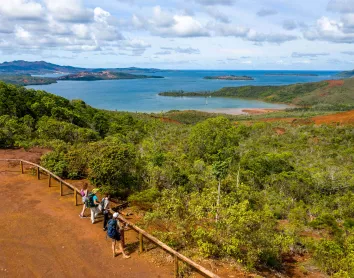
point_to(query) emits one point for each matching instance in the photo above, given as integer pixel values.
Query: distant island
(41, 67)
(291, 74)
(103, 75)
(23, 80)
(229, 77)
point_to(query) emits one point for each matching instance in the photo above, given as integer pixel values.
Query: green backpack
(89, 201)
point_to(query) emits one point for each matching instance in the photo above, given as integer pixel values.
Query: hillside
(346, 74)
(42, 67)
(38, 67)
(23, 80)
(273, 196)
(103, 75)
(332, 92)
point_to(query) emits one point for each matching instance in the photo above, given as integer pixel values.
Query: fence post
(141, 243)
(176, 266)
(61, 188)
(49, 180)
(38, 174)
(75, 196)
(21, 165)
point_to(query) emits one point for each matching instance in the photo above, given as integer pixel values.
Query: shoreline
(242, 111)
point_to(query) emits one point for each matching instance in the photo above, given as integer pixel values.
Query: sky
(181, 34)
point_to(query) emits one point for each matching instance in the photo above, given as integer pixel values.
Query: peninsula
(230, 77)
(326, 93)
(103, 75)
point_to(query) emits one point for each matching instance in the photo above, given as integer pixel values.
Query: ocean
(141, 95)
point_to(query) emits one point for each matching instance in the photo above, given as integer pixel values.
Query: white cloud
(165, 24)
(329, 30)
(21, 9)
(217, 14)
(251, 34)
(69, 10)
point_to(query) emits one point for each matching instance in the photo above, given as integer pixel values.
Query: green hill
(333, 92)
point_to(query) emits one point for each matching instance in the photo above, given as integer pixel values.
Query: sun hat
(95, 190)
(115, 215)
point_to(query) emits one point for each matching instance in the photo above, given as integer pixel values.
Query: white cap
(115, 215)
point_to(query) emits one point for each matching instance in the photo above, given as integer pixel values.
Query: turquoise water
(142, 94)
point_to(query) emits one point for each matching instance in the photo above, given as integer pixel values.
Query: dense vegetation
(23, 80)
(305, 94)
(212, 187)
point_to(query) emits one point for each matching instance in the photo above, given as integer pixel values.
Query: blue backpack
(112, 228)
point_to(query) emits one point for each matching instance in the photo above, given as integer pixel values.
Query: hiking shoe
(104, 229)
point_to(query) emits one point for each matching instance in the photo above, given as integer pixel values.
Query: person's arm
(95, 200)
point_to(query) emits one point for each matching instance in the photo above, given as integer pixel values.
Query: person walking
(113, 232)
(104, 208)
(92, 203)
(84, 194)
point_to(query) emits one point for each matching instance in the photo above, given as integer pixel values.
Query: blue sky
(184, 34)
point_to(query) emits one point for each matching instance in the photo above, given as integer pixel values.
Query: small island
(229, 77)
(104, 75)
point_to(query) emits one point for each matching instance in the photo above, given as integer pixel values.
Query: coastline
(242, 111)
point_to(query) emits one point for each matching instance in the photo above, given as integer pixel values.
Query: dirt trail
(43, 236)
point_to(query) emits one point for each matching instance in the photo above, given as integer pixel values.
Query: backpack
(112, 228)
(101, 205)
(89, 201)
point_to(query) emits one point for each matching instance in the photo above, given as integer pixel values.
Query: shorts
(116, 238)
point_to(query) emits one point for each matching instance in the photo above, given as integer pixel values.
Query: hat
(115, 215)
(95, 190)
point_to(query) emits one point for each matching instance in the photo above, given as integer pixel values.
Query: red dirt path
(43, 236)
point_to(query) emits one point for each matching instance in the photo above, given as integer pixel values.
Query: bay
(142, 94)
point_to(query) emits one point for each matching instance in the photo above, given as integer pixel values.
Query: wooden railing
(142, 234)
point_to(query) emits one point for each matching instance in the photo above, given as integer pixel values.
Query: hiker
(104, 208)
(113, 232)
(84, 194)
(92, 203)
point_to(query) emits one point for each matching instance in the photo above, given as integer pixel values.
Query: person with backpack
(84, 194)
(104, 208)
(92, 203)
(113, 232)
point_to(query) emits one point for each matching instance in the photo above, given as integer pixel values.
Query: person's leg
(105, 220)
(83, 210)
(125, 256)
(114, 247)
(93, 215)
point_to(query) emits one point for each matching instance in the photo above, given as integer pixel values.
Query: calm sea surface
(142, 94)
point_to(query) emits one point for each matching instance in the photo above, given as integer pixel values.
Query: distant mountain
(42, 67)
(346, 74)
(39, 67)
(103, 75)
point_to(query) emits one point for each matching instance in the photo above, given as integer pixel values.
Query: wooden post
(38, 173)
(61, 188)
(21, 165)
(50, 180)
(141, 243)
(176, 266)
(75, 196)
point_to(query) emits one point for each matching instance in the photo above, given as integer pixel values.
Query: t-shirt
(95, 199)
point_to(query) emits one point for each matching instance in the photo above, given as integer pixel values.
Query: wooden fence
(142, 234)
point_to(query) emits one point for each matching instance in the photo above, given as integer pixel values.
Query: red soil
(43, 236)
(338, 118)
(335, 83)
